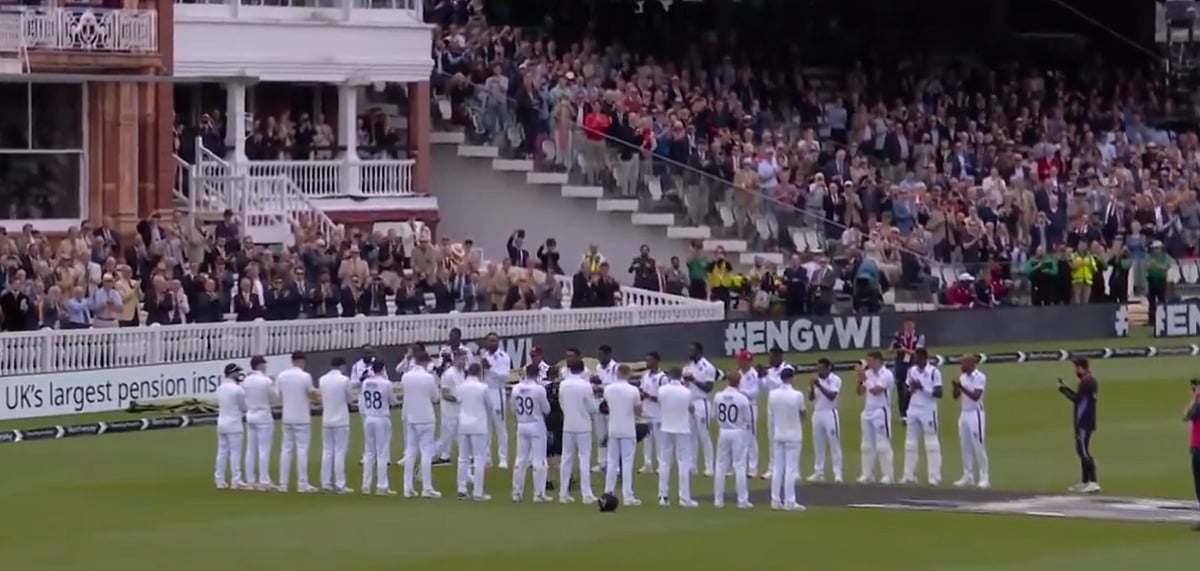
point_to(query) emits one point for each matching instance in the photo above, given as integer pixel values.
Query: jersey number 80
(727, 413)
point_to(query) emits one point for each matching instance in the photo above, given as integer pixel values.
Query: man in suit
(822, 280)
(1114, 220)
(839, 167)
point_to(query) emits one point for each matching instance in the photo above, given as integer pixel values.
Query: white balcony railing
(260, 8)
(80, 29)
(51, 351)
(337, 178)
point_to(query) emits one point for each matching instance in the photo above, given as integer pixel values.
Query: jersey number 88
(373, 400)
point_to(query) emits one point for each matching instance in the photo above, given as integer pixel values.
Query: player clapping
(578, 401)
(454, 372)
(785, 411)
(968, 390)
(231, 408)
(735, 422)
(337, 391)
(475, 413)
(874, 381)
(749, 385)
(530, 406)
(826, 425)
(771, 381)
(497, 366)
(924, 386)
(624, 406)
(652, 379)
(261, 395)
(700, 376)
(676, 406)
(421, 395)
(375, 404)
(296, 394)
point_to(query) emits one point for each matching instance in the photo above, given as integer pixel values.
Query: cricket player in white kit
(770, 382)
(261, 396)
(337, 392)
(421, 397)
(474, 416)
(874, 382)
(530, 406)
(624, 402)
(375, 403)
(785, 411)
(451, 377)
(653, 378)
(231, 409)
(735, 421)
(750, 385)
(578, 401)
(604, 375)
(497, 366)
(676, 405)
(359, 372)
(826, 424)
(296, 394)
(968, 390)
(924, 386)
(701, 376)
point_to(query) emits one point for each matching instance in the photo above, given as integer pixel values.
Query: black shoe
(549, 485)
(439, 461)
(463, 496)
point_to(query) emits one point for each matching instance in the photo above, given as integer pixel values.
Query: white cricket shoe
(633, 502)
(589, 499)
(664, 502)
(385, 492)
(306, 489)
(719, 504)
(865, 479)
(431, 494)
(886, 481)
(646, 470)
(240, 486)
(837, 478)
(344, 491)
(540, 499)
(410, 494)
(776, 505)
(745, 506)
(504, 464)
(816, 478)
(516, 498)
(566, 499)
(935, 482)
(482, 498)
(222, 486)
(984, 484)
(1077, 487)
(907, 481)
(688, 504)
(400, 462)
(708, 473)
(1091, 488)
(599, 468)
(964, 482)
(766, 475)
(793, 507)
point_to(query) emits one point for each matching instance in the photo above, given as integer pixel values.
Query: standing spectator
(794, 284)
(354, 302)
(209, 306)
(246, 305)
(324, 301)
(515, 248)
(593, 259)
(14, 304)
(548, 256)
(107, 304)
(47, 310)
(581, 287)
(605, 290)
(79, 311)
(377, 295)
(675, 278)
(1157, 266)
(645, 270)
(353, 267)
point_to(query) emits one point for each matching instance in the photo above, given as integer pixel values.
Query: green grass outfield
(145, 501)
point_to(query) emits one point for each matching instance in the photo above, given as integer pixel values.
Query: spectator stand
(966, 171)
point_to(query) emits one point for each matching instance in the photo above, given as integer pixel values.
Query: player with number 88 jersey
(734, 418)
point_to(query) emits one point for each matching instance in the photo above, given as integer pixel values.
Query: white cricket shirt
(295, 386)
(450, 380)
(976, 381)
(751, 384)
(472, 407)
(337, 390)
(651, 381)
(774, 378)
(623, 400)
(703, 371)
(784, 406)
(607, 372)
(578, 402)
(878, 379)
(231, 407)
(421, 392)
(529, 401)
(922, 400)
(831, 383)
(261, 395)
(500, 365)
(376, 398)
(733, 409)
(675, 408)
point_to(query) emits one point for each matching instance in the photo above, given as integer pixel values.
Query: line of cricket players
(461, 399)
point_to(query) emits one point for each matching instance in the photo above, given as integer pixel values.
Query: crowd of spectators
(907, 165)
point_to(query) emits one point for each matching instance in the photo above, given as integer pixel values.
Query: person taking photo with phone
(1083, 397)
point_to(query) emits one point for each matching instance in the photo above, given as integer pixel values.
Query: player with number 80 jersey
(734, 419)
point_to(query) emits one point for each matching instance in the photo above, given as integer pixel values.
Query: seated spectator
(961, 294)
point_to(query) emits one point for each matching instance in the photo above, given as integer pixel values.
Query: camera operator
(1192, 415)
(1084, 399)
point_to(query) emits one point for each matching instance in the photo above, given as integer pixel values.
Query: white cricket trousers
(531, 453)
(448, 435)
(577, 446)
(419, 443)
(473, 451)
(733, 446)
(259, 437)
(377, 444)
(786, 471)
(972, 427)
(700, 431)
(676, 448)
(922, 428)
(364, 458)
(877, 444)
(620, 462)
(827, 437)
(296, 438)
(334, 441)
(600, 429)
(752, 452)
(499, 424)
(229, 459)
(650, 444)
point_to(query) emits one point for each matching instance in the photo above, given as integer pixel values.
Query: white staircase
(269, 207)
(738, 250)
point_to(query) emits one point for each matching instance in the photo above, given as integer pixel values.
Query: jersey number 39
(524, 405)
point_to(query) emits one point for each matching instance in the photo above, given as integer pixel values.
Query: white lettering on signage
(802, 335)
(109, 390)
(1178, 320)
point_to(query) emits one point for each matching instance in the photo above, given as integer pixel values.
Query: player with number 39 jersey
(530, 406)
